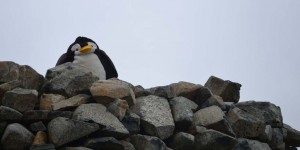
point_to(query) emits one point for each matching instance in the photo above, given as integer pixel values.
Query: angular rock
(214, 140)
(277, 142)
(69, 79)
(246, 144)
(182, 111)
(28, 77)
(40, 138)
(72, 102)
(118, 108)
(9, 114)
(214, 100)
(182, 141)
(8, 86)
(47, 100)
(63, 130)
(16, 137)
(43, 147)
(244, 124)
(104, 143)
(127, 145)
(156, 117)
(36, 115)
(99, 114)
(106, 91)
(229, 91)
(265, 111)
(144, 142)
(140, 91)
(20, 99)
(213, 118)
(196, 129)
(293, 136)
(132, 122)
(55, 114)
(37, 126)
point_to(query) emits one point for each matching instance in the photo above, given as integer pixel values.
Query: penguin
(86, 52)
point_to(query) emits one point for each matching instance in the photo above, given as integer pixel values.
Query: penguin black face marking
(83, 46)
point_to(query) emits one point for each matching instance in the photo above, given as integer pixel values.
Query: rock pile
(70, 109)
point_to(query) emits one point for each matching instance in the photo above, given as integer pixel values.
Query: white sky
(153, 43)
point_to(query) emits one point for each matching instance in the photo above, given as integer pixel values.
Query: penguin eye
(75, 47)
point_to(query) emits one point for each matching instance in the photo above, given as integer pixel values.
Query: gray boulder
(144, 142)
(246, 144)
(9, 114)
(213, 118)
(214, 100)
(182, 141)
(277, 142)
(99, 114)
(214, 140)
(293, 136)
(265, 111)
(156, 117)
(182, 111)
(20, 99)
(118, 108)
(104, 143)
(69, 79)
(63, 130)
(16, 137)
(229, 91)
(132, 122)
(8, 86)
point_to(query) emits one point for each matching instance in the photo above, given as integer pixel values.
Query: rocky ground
(70, 109)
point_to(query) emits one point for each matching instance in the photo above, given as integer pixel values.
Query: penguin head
(82, 46)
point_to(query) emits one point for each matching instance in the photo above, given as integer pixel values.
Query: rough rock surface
(293, 136)
(104, 143)
(47, 100)
(9, 114)
(182, 141)
(246, 144)
(144, 142)
(118, 108)
(156, 117)
(132, 122)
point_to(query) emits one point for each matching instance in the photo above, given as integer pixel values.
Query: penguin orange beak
(86, 49)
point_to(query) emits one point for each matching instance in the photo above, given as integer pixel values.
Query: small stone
(118, 108)
(20, 99)
(214, 140)
(132, 122)
(63, 130)
(40, 138)
(16, 137)
(293, 136)
(9, 114)
(213, 118)
(156, 116)
(106, 91)
(182, 141)
(37, 126)
(182, 111)
(47, 100)
(229, 91)
(246, 144)
(72, 102)
(144, 142)
(127, 145)
(139, 91)
(36, 115)
(214, 100)
(104, 143)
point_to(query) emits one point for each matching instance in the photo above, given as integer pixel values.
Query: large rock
(16, 137)
(182, 141)
(106, 91)
(47, 100)
(132, 122)
(293, 136)
(265, 111)
(72, 102)
(144, 142)
(214, 140)
(104, 143)
(9, 114)
(213, 118)
(246, 144)
(29, 78)
(244, 124)
(20, 99)
(214, 100)
(63, 130)
(229, 91)
(99, 114)
(156, 117)
(118, 108)
(182, 111)
(277, 142)
(8, 86)
(69, 79)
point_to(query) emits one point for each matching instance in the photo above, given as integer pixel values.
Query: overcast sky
(152, 43)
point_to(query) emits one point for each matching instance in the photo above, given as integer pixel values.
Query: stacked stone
(70, 109)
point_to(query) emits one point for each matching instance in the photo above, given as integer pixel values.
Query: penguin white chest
(92, 62)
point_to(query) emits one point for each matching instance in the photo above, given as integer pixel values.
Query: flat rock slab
(265, 111)
(63, 130)
(47, 100)
(71, 102)
(214, 140)
(16, 137)
(20, 99)
(106, 91)
(104, 143)
(213, 118)
(69, 79)
(144, 142)
(9, 114)
(251, 145)
(99, 114)
(156, 116)
(229, 91)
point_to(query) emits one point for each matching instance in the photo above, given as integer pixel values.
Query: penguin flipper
(64, 58)
(107, 64)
